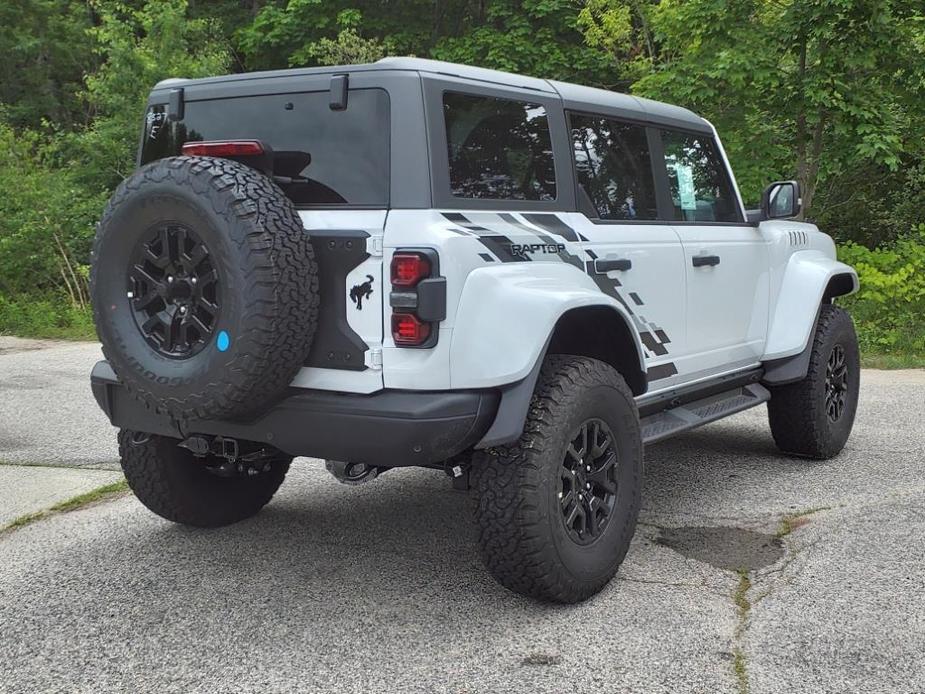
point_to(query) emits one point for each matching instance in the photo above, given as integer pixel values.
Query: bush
(889, 309)
(46, 220)
(55, 317)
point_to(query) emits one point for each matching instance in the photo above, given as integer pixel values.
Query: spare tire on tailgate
(204, 287)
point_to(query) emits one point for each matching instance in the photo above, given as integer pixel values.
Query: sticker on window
(686, 187)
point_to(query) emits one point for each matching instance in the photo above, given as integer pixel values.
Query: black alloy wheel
(836, 383)
(174, 291)
(588, 481)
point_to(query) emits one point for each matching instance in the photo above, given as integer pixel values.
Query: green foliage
(45, 318)
(54, 179)
(46, 51)
(828, 91)
(806, 90)
(46, 220)
(889, 309)
(137, 49)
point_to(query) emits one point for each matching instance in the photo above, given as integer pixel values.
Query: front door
(726, 260)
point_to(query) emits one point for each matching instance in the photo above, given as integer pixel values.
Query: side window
(701, 190)
(498, 149)
(613, 167)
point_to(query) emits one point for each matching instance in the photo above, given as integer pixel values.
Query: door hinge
(375, 358)
(374, 245)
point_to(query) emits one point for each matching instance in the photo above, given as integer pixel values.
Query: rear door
(333, 161)
(725, 258)
(634, 257)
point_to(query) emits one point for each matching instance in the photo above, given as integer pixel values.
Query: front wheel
(813, 417)
(557, 509)
(198, 491)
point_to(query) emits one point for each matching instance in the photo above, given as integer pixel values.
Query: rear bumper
(390, 428)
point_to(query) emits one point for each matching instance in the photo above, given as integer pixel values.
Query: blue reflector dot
(223, 341)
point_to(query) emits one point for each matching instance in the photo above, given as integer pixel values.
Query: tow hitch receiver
(234, 463)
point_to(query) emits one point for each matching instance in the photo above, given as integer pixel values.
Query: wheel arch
(612, 340)
(601, 333)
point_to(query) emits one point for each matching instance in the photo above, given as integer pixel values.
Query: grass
(792, 521)
(45, 318)
(744, 605)
(893, 361)
(103, 493)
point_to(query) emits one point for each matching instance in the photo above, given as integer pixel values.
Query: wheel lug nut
(193, 280)
(588, 485)
(170, 278)
(588, 468)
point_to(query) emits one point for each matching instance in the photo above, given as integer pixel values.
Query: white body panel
(727, 304)
(652, 291)
(691, 323)
(511, 333)
(802, 263)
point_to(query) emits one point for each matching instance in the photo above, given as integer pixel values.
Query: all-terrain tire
(262, 276)
(176, 485)
(523, 533)
(799, 412)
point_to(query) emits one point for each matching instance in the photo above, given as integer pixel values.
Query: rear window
(614, 168)
(498, 149)
(321, 156)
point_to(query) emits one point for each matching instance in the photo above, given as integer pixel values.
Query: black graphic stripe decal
(564, 254)
(495, 230)
(464, 222)
(497, 243)
(553, 224)
(652, 344)
(657, 373)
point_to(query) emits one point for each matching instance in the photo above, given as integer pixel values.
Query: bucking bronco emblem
(362, 291)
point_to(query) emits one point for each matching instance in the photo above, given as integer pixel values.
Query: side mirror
(781, 200)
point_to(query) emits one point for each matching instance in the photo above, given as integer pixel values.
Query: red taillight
(409, 268)
(223, 148)
(407, 330)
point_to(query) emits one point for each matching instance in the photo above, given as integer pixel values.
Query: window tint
(322, 156)
(700, 187)
(498, 149)
(614, 168)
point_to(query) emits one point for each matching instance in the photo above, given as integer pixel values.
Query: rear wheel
(813, 417)
(557, 509)
(199, 491)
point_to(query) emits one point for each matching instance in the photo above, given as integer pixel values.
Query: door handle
(603, 266)
(704, 260)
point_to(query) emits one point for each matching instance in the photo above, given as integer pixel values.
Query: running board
(669, 422)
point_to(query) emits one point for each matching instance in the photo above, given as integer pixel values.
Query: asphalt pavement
(750, 571)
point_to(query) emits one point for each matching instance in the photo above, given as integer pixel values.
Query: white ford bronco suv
(412, 263)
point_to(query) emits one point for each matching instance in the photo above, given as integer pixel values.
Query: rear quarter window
(498, 149)
(321, 156)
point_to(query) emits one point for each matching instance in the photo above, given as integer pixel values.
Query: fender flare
(507, 313)
(810, 280)
(544, 293)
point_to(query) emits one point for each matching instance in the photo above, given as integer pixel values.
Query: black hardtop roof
(574, 95)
